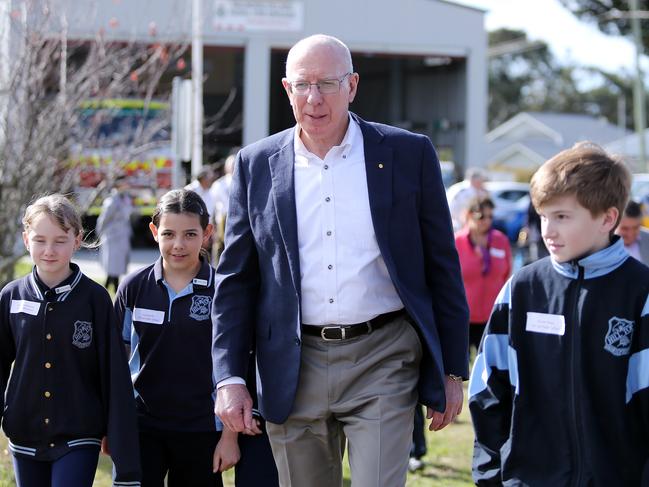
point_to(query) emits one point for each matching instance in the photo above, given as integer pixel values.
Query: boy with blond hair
(559, 392)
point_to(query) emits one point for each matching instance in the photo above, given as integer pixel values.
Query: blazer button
(47, 394)
(297, 341)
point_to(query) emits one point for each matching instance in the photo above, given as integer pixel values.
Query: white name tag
(22, 306)
(497, 253)
(63, 289)
(148, 316)
(546, 323)
(199, 282)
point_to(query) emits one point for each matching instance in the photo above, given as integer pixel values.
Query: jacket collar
(203, 279)
(59, 292)
(595, 265)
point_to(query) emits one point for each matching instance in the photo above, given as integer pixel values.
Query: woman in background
(486, 261)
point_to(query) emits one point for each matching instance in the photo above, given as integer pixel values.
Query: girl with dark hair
(165, 314)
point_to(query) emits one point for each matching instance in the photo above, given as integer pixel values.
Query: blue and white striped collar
(61, 291)
(203, 278)
(598, 264)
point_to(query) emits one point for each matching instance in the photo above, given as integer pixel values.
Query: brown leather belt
(346, 332)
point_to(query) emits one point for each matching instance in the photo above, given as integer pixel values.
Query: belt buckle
(326, 339)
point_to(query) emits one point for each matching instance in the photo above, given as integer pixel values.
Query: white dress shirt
(344, 279)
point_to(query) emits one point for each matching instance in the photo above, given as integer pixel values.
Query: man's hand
(234, 407)
(454, 398)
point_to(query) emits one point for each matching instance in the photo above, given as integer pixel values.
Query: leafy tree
(42, 84)
(525, 76)
(608, 15)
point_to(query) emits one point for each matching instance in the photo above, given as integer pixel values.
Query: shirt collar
(351, 137)
(58, 292)
(203, 279)
(598, 264)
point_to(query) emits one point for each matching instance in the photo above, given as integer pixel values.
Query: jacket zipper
(575, 373)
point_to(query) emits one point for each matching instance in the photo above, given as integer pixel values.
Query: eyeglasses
(325, 86)
(477, 215)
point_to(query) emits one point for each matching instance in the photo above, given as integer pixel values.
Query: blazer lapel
(378, 168)
(281, 170)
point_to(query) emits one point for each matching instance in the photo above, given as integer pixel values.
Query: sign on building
(259, 15)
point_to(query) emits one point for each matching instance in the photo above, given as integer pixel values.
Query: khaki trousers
(361, 390)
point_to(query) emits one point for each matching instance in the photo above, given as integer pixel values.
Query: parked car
(512, 200)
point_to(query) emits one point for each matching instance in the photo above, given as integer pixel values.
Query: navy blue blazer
(258, 276)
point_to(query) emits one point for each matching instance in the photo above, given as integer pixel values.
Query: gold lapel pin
(380, 165)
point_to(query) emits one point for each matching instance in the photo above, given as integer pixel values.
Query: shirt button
(297, 341)
(330, 267)
(331, 300)
(48, 365)
(51, 445)
(47, 394)
(328, 233)
(327, 199)
(326, 167)
(46, 420)
(50, 308)
(344, 156)
(48, 336)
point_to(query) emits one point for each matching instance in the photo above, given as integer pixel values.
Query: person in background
(418, 450)
(221, 194)
(64, 381)
(530, 239)
(202, 187)
(114, 230)
(486, 261)
(636, 238)
(457, 205)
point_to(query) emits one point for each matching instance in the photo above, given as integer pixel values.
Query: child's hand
(226, 453)
(104, 446)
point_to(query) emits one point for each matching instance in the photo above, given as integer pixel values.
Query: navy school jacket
(69, 385)
(169, 336)
(559, 391)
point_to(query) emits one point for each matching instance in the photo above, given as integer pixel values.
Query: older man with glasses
(340, 266)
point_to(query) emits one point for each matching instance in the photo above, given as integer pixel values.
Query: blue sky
(569, 38)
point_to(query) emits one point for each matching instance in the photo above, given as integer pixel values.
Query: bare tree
(45, 80)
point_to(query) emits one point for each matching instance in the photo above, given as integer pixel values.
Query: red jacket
(482, 289)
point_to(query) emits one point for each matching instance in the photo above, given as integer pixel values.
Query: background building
(422, 63)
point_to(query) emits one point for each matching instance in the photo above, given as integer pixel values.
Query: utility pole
(197, 84)
(639, 115)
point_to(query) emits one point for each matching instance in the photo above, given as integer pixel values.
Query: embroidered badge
(82, 336)
(618, 338)
(200, 309)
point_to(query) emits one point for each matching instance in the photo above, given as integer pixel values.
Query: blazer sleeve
(236, 286)
(442, 267)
